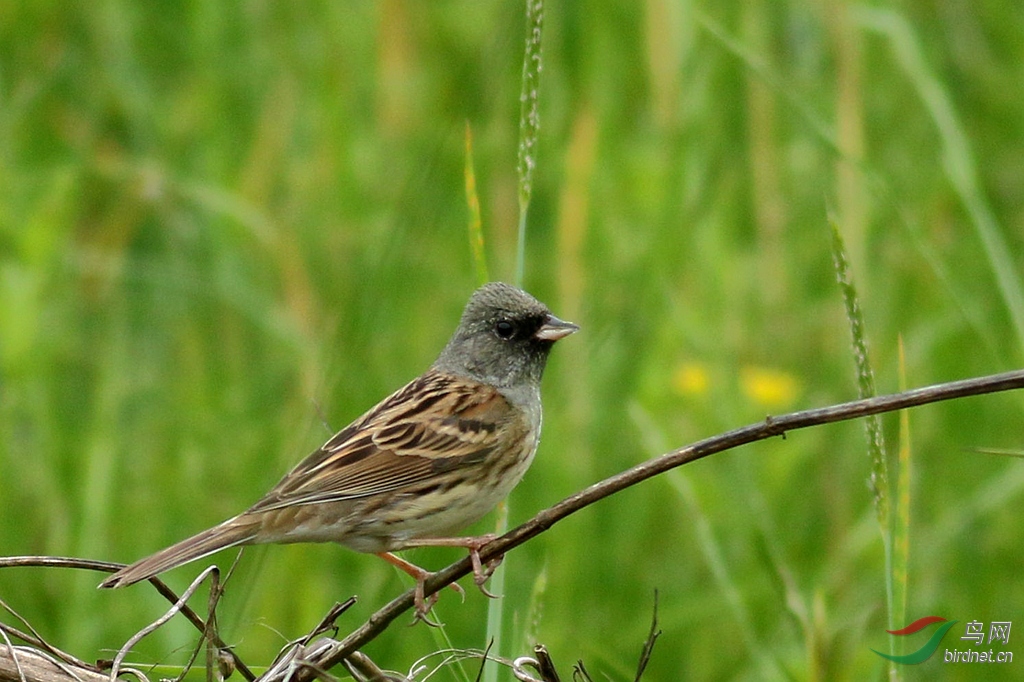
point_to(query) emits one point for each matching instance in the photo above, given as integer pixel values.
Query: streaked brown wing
(433, 424)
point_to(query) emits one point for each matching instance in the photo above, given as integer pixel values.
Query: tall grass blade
(1002, 452)
(714, 554)
(529, 122)
(476, 231)
(757, 65)
(879, 477)
(879, 480)
(957, 157)
(901, 519)
(496, 607)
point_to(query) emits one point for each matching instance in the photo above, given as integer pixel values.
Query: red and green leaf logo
(929, 648)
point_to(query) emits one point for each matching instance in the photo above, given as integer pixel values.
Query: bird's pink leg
(474, 544)
(420, 575)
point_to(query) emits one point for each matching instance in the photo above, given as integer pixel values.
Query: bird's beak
(554, 329)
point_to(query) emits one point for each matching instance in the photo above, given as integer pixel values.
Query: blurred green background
(226, 228)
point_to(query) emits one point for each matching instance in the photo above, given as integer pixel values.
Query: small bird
(428, 460)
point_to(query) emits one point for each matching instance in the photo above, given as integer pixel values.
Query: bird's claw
(424, 605)
(482, 572)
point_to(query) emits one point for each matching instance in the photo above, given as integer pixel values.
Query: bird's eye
(504, 329)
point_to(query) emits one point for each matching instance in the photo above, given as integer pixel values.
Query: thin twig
(328, 621)
(35, 639)
(770, 427)
(545, 666)
(14, 657)
(134, 639)
(112, 567)
(361, 667)
(652, 637)
(301, 658)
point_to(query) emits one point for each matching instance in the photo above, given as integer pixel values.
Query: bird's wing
(433, 424)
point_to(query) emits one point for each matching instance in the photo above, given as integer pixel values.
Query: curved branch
(771, 426)
(326, 653)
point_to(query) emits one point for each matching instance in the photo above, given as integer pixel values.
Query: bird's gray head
(503, 338)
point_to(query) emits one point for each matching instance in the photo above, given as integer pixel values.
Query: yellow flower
(770, 388)
(691, 379)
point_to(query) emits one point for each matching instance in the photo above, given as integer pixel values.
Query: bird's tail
(231, 533)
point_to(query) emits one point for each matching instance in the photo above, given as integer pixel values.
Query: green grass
(228, 229)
